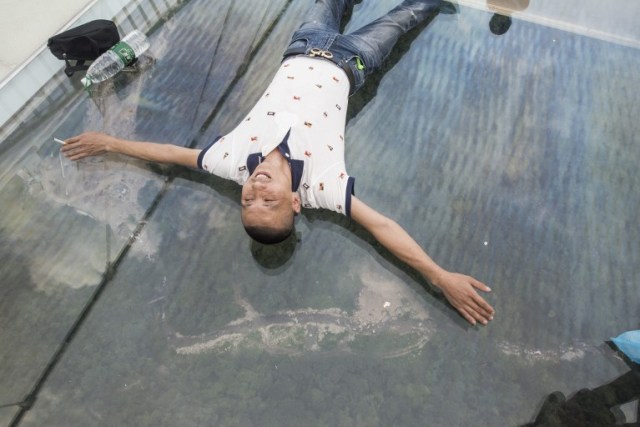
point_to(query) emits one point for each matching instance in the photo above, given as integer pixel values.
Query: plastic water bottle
(115, 59)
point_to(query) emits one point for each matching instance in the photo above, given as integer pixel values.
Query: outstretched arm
(460, 290)
(95, 143)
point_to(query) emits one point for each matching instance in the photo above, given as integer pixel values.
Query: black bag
(84, 43)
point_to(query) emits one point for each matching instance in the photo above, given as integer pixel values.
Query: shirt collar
(297, 166)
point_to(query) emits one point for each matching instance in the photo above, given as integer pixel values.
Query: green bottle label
(124, 51)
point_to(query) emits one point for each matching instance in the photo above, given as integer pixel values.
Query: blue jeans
(363, 50)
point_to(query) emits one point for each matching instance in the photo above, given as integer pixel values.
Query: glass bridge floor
(130, 294)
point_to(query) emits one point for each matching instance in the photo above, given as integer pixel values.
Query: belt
(324, 54)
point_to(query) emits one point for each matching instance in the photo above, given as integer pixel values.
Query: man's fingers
(71, 141)
(473, 316)
(483, 306)
(482, 309)
(74, 152)
(477, 310)
(479, 285)
(69, 149)
(69, 146)
(468, 317)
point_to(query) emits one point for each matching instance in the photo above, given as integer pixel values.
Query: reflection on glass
(501, 19)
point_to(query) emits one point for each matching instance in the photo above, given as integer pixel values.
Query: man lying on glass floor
(288, 153)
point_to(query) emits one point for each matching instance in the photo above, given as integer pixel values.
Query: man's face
(267, 198)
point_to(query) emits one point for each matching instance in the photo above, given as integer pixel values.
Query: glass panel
(511, 158)
(66, 225)
(7, 414)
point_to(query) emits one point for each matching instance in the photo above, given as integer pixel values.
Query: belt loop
(339, 61)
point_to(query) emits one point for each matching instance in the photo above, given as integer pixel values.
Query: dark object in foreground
(83, 43)
(499, 24)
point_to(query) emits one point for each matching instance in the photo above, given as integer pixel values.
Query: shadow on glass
(501, 19)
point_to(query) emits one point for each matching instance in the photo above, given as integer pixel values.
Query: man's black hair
(268, 235)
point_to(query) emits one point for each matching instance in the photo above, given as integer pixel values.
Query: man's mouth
(262, 176)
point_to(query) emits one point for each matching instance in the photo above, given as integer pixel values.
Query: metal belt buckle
(319, 52)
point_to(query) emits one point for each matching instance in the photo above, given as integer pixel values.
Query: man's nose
(258, 185)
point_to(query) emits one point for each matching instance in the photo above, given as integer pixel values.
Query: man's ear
(296, 203)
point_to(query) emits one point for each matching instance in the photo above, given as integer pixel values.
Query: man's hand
(86, 145)
(460, 291)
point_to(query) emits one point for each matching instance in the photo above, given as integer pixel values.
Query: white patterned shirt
(302, 113)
